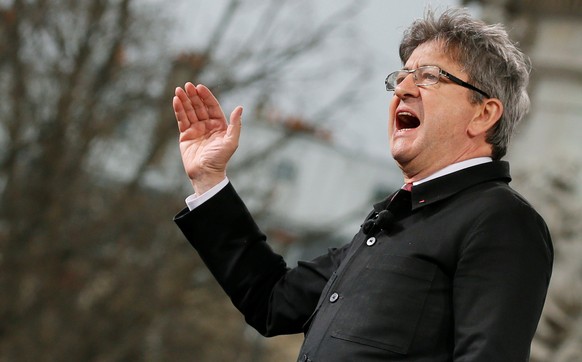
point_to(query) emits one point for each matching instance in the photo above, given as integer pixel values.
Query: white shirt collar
(454, 168)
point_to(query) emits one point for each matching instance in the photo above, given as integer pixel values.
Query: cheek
(446, 128)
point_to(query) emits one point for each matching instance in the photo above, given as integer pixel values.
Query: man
(455, 269)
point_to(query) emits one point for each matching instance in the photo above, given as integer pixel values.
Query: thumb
(235, 125)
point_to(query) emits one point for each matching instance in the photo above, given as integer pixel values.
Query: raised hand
(207, 142)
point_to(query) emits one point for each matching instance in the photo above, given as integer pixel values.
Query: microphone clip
(379, 221)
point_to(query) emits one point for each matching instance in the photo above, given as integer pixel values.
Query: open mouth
(406, 120)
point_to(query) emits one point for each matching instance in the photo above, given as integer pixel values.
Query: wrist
(203, 184)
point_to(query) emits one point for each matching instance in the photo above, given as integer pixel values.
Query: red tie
(408, 187)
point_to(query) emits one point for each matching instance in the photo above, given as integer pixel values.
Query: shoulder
(502, 215)
(496, 198)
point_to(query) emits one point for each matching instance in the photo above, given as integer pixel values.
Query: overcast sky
(379, 26)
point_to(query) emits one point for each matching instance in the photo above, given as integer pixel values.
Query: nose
(407, 88)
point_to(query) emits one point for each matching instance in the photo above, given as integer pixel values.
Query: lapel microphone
(382, 221)
(399, 205)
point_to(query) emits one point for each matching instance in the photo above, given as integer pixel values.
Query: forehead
(432, 53)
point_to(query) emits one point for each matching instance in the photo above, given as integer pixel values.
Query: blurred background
(92, 267)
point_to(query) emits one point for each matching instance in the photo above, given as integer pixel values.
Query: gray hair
(492, 61)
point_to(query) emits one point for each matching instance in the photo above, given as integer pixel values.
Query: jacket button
(334, 297)
(371, 241)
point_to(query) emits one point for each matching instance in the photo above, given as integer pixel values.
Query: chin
(400, 149)
(400, 158)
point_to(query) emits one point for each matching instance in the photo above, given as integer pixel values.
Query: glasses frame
(390, 87)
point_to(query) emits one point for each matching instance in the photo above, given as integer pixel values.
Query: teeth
(405, 114)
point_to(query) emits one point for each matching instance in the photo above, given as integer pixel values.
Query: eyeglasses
(426, 75)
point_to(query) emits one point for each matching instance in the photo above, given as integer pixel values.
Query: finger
(213, 107)
(181, 117)
(197, 102)
(186, 104)
(235, 126)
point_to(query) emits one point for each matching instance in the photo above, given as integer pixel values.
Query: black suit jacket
(461, 274)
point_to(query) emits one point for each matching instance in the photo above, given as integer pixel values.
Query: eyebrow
(424, 65)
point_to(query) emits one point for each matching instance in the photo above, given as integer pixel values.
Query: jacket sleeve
(274, 299)
(500, 284)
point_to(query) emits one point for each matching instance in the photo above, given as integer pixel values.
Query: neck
(457, 166)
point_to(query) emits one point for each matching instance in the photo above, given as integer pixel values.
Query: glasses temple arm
(463, 83)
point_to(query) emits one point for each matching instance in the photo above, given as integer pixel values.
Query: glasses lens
(427, 75)
(395, 78)
(390, 85)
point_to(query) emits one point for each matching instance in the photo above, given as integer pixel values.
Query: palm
(202, 146)
(206, 140)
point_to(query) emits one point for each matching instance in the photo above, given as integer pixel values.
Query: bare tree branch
(92, 265)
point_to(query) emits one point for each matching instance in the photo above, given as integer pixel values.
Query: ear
(487, 114)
